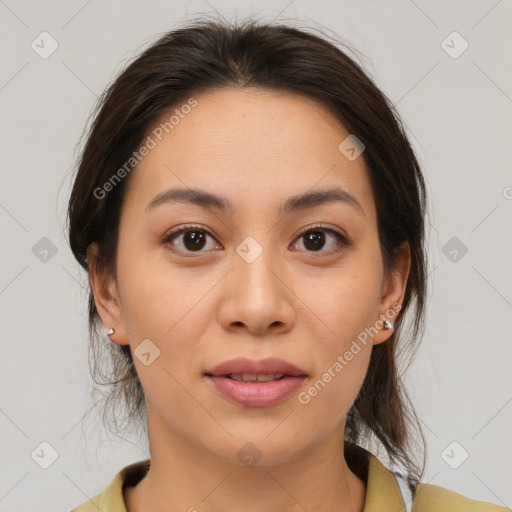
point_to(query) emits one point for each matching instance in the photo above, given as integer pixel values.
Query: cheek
(347, 299)
(154, 296)
(164, 305)
(347, 312)
(342, 350)
(346, 307)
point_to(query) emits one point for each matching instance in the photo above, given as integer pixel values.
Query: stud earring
(111, 331)
(387, 324)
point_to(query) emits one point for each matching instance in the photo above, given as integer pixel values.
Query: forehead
(254, 145)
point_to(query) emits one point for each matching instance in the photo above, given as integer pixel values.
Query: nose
(257, 297)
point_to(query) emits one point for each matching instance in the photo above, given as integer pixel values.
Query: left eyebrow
(320, 197)
(211, 201)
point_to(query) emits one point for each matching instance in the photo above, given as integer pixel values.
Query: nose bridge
(258, 298)
(253, 263)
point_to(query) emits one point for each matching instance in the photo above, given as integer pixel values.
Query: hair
(211, 54)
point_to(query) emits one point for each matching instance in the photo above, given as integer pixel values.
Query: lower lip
(257, 394)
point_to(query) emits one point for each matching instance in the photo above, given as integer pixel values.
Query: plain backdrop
(457, 109)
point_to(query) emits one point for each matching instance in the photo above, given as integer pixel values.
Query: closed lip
(245, 365)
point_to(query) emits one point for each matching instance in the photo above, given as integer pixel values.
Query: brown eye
(188, 239)
(194, 240)
(316, 238)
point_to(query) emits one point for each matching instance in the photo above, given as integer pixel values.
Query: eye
(193, 238)
(316, 237)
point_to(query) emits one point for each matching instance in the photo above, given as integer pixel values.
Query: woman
(251, 217)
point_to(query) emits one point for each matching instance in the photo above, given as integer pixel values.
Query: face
(198, 285)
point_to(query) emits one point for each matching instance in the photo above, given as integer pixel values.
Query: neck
(186, 476)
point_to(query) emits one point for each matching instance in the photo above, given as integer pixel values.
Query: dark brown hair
(208, 54)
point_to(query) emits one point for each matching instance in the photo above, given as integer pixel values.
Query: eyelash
(343, 241)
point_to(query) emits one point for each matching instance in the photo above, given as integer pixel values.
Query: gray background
(458, 113)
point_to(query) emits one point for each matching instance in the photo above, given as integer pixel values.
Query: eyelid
(343, 240)
(183, 229)
(323, 227)
(186, 227)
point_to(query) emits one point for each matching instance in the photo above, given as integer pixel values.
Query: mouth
(253, 377)
(256, 390)
(254, 383)
(246, 369)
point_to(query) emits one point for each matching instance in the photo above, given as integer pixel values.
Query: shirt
(385, 492)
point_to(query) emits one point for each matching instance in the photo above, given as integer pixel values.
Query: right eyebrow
(195, 196)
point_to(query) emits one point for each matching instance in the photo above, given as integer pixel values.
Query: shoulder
(112, 499)
(93, 505)
(432, 498)
(389, 491)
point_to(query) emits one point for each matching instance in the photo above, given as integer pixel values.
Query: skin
(256, 147)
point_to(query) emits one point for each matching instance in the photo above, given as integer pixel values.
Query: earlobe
(106, 298)
(393, 291)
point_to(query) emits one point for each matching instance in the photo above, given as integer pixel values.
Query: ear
(393, 291)
(106, 297)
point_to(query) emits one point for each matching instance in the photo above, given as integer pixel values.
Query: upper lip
(244, 365)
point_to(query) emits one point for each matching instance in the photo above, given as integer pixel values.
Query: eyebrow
(212, 201)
